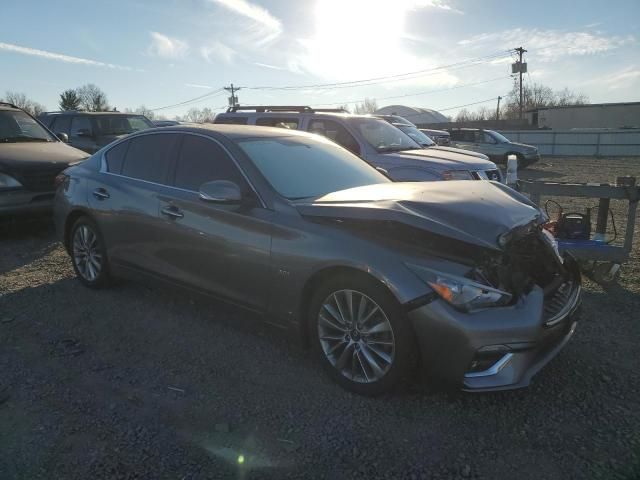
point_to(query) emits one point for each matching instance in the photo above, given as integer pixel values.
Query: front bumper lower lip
(22, 201)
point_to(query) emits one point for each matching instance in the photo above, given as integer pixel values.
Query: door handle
(173, 212)
(101, 194)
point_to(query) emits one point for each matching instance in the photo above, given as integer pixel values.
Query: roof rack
(282, 108)
(9, 104)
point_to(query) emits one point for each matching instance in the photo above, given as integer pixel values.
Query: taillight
(60, 179)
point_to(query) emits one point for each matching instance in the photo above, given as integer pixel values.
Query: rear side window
(115, 157)
(290, 123)
(231, 120)
(61, 124)
(148, 157)
(336, 132)
(202, 160)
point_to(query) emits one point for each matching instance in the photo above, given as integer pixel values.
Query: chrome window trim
(103, 163)
(495, 369)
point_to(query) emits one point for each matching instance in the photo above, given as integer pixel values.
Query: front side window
(121, 124)
(81, 126)
(148, 157)
(202, 160)
(17, 126)
(62, 124)
(498, 137)
(336, 132)
(301, 167)
(231, 120)
(383, 136)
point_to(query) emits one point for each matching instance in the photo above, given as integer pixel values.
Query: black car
(30, 159)
(90, 131)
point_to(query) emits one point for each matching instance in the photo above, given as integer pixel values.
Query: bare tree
(344, 107)
(142, 110)
(368, 106)
(20, 100)
(69, 100)
(197, 115)
(92, 99)
(537, 96)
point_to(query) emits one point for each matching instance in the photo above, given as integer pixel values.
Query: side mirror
(221, 191)
(63, 137)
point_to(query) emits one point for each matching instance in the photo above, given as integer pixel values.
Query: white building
(419, 116)
(594, 115)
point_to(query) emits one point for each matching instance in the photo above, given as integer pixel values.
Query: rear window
(231, 120)
(115, 157)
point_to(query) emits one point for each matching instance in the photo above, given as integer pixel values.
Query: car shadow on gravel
(22, 241)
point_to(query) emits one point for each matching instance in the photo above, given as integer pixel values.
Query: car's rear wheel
(361, 334)
(88, 253)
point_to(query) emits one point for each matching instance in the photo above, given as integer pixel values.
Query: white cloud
(58, 56)
(264, 27)
(548, 45)
(168, 47)
(625, 78)
(266, 65)
(217, 51)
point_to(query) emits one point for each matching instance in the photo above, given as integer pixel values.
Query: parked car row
(382, 142)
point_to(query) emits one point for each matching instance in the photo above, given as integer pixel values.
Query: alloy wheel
(356, 336)
(86, 253)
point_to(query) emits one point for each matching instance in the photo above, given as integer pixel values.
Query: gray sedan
(375, 276)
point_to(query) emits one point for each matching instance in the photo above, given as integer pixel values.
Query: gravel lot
(137, 383)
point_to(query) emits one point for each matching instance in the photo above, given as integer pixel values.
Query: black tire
(102, 275)
(403, 362)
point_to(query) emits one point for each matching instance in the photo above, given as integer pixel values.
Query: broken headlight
(462, 293)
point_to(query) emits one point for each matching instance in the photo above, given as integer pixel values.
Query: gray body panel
(266, 253)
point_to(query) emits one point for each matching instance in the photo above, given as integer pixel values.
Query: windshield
(17, 126)
(301, 167)
(121, 124)
(383, 136)
(417, 135)
(498, 136)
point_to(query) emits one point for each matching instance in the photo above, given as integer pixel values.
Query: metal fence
(597, 143)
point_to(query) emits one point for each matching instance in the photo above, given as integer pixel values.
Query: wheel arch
(320, 276)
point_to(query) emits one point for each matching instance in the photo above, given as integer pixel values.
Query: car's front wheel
(361, 334)
(88, 253)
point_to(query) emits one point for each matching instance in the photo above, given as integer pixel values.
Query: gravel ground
(137, 383)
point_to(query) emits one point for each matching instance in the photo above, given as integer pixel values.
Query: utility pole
(233, 100)
(498, 108)
(521, 68)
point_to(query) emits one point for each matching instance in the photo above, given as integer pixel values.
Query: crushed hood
(475, 212)
(447, 158)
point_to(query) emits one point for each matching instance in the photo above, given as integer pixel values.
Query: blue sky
(158, 53)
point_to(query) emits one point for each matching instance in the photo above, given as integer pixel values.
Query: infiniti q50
(458, 278)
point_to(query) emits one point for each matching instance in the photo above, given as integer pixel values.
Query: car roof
(82, 112)
(231, 131)
(283, 114)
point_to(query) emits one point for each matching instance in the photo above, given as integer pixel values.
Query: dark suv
(90, 131)
(30, 159)
(493, 144)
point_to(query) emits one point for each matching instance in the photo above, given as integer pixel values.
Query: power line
(401, 76)
(492, 99)
(201, 97)
(418, 93)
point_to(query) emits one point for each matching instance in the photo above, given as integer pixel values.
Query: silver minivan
(372, 139)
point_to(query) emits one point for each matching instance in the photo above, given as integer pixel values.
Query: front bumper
(519, 338)
(23, 202)
(531, 158)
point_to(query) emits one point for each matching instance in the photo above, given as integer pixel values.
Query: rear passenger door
(222, 249)
(124, 198)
